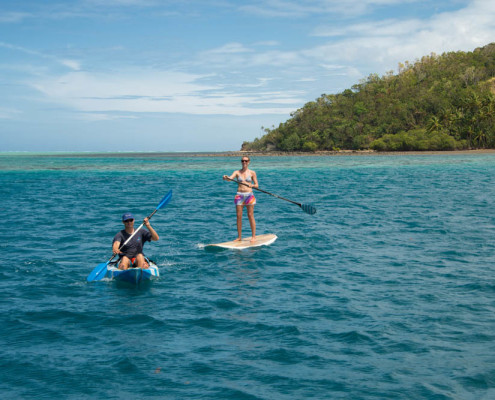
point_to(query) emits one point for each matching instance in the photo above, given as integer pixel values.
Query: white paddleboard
(261, 240)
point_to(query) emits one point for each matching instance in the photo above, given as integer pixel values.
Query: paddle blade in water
(308, 208)
(165, 200)
(98, 272)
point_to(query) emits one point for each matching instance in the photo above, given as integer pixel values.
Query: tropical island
(441, 102)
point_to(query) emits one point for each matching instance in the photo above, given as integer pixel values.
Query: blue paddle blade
(308, 208)
(165, 200)
(98, 272)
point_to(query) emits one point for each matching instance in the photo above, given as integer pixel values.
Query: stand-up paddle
(307, 208)
(100, 270)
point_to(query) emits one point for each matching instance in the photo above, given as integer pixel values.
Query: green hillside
(444, 102)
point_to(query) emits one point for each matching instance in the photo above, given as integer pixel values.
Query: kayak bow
(133, 276)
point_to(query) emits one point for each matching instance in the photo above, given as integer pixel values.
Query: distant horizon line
(10, 152)
(236, 153)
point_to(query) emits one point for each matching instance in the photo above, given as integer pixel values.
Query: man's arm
(116, 247)
(154, 235)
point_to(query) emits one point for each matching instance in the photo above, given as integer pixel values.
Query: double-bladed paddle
(307, 208)
(100, 270)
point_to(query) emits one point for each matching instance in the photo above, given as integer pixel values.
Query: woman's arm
(231, 177)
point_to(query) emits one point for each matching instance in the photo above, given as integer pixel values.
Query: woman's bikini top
(248, 179)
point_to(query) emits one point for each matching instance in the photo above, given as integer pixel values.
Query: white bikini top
(248, 179)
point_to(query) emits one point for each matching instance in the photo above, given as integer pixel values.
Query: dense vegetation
(442, 102)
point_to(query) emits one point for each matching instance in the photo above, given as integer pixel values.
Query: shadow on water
(141, 287)
(102, 287)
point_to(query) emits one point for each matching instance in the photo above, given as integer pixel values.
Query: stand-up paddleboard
(261, 240)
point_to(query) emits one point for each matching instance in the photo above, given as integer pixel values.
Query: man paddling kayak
(245, 196)
(131, 255)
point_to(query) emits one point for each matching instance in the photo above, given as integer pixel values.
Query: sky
(201, 75)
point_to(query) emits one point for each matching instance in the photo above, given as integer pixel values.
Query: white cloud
(267, 43)
(363, 47)
(155, 91)
(305, 8)
(12, 17)
(235, 55)
(392, 27)
(72, 64)
(227, 49)
(382, 44)
(95, 117)
(240, 71)
(106, 3)
(9, 113)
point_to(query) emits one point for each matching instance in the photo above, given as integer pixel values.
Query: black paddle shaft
(264, 191)
(307, 208)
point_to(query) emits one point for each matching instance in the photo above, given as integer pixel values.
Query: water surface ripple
(388, 292)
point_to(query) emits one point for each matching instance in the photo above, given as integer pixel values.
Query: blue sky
(201, 75)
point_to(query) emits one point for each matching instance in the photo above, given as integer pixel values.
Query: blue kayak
(133, 275)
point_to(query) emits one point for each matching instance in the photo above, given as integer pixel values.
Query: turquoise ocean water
(388, 292)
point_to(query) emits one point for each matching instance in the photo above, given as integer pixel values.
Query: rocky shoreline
(341, 153)
(262, 153)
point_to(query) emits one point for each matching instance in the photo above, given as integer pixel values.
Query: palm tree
(434, 125)
(481, 138)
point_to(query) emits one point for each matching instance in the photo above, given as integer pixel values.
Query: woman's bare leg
(238, 210)
(252, 222)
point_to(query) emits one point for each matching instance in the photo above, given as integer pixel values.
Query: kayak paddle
(100, 270)
(307, 208)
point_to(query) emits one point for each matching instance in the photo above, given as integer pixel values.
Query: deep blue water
(388, 292)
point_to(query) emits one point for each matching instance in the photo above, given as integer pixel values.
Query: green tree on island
(442, 102)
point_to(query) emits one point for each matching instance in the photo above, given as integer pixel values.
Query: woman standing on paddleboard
(247, 180)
